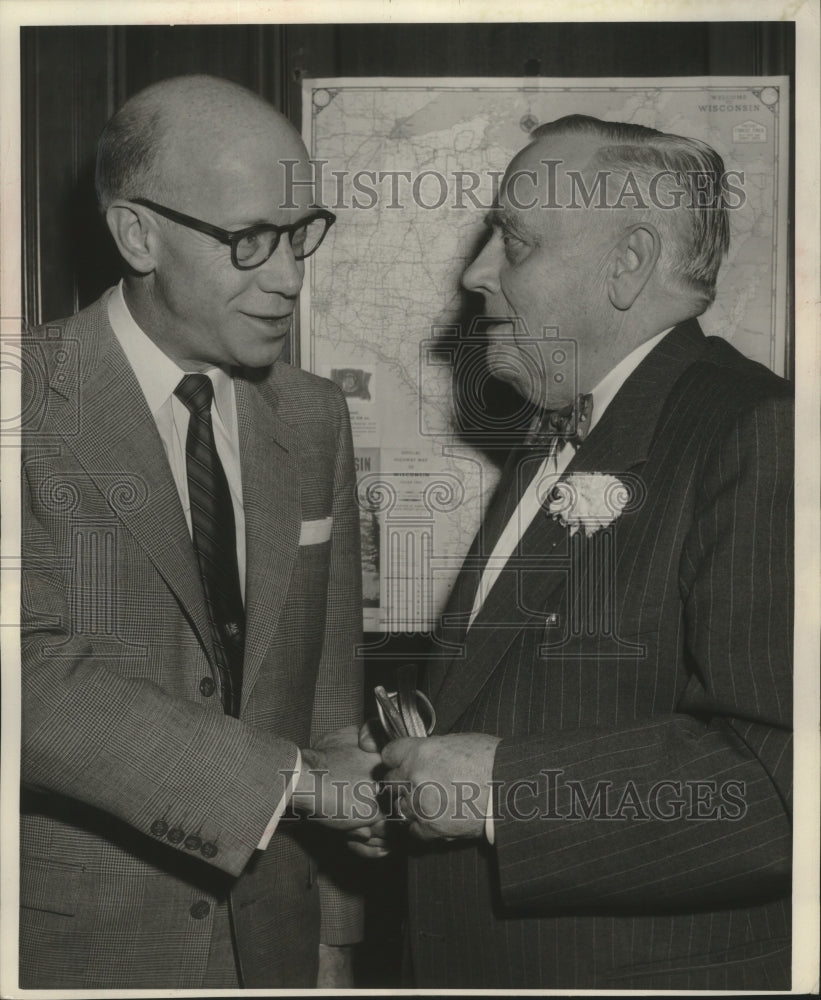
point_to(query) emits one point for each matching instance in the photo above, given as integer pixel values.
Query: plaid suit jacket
(142, 802)
(640, 679)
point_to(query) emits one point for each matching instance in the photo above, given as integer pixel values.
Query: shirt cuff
(283, 802)
(490, 830)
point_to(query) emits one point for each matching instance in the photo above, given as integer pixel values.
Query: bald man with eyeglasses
(191, 594)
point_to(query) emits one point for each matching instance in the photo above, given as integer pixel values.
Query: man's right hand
(336, 784)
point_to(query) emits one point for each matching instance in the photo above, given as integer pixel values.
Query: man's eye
(251, 243)
(514, 247)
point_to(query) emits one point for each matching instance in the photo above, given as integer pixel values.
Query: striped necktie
(214, 536)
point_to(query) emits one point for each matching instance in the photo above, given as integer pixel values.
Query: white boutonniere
(588, 502)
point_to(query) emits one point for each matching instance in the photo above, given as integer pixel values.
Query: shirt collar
(605, 392)
(157, 374)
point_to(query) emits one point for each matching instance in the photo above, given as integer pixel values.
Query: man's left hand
(335, 967)
(442, 783)
(369, 841)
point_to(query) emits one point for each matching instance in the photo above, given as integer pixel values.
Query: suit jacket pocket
(316, 532)
(50, 887)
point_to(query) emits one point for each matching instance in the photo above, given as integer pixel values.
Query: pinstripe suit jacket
(642, 837)
(142, 802)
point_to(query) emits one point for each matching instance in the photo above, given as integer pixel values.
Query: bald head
(181, 138)
(187, 170)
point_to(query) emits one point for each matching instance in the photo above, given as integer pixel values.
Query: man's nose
(282, 272)
(483, 274)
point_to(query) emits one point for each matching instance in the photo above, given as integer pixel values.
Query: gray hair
(127, 153)
(698, 233)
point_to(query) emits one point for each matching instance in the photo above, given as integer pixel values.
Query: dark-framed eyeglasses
(251, 247)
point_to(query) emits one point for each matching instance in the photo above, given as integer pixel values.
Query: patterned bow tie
(569, 425)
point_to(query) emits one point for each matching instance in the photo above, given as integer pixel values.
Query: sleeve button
(192, 842)
(200, 909)
(209, 850)
(175, 835)
(207, 687)
(158, 828)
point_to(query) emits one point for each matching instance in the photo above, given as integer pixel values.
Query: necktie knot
(196, 392)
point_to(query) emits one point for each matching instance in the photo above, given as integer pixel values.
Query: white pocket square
(315, 532)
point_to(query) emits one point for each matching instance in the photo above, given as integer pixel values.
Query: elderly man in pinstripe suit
(605, 802)
(191, 606)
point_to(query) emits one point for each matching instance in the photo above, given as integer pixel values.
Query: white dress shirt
(550, 470)
(159, 376)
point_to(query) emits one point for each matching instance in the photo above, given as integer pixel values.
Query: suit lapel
(622, 438)
(270, 486)
(120, 449)
(504, 614)
(620, 441)
(518, 470)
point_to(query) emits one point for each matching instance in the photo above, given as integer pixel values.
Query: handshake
(359, 779)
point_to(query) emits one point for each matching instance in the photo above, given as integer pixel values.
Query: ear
(134, 233)
(634, 259)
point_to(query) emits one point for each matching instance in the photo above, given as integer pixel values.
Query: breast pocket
(315, 532)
